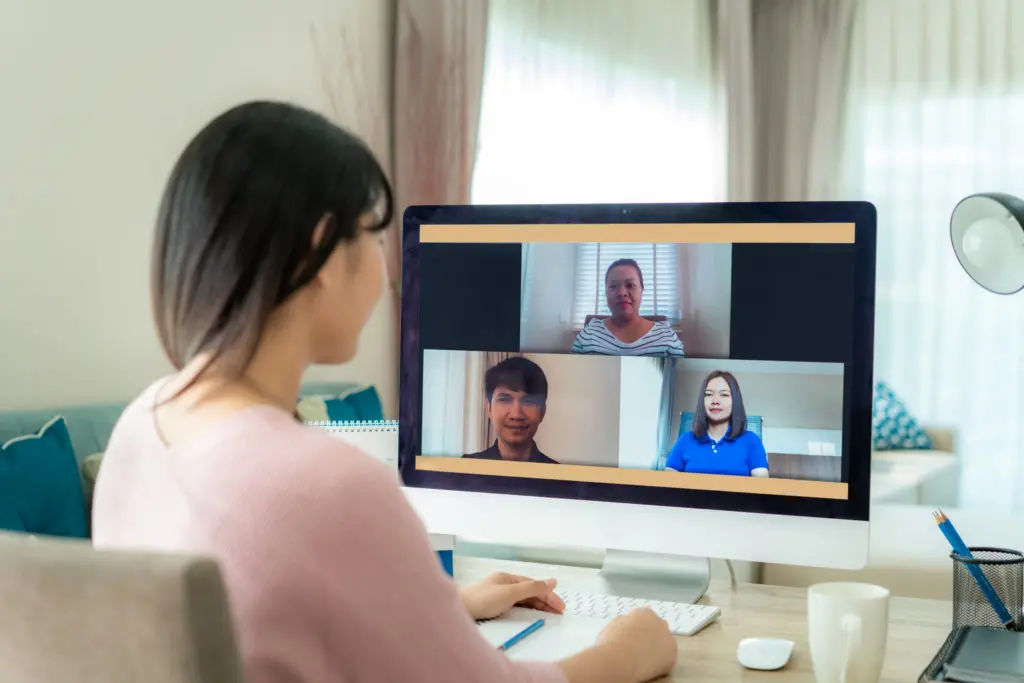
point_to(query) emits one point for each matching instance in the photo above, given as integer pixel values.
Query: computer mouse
(764, 654)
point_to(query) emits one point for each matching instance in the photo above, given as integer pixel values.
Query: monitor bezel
(858, 373)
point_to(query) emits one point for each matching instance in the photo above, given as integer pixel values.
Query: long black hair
(234, 235)
(738, 417)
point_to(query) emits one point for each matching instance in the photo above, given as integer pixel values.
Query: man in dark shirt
(517, 394)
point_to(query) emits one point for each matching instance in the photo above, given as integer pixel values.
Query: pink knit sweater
(330, 573)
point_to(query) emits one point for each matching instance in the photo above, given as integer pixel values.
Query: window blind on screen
(659, 263)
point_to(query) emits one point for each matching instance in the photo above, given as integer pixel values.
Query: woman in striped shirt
(626, 332)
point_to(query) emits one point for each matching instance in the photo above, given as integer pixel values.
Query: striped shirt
(596, 338)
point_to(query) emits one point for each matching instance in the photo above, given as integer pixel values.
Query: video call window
(631, 299)
(720, 418)
(680, 359)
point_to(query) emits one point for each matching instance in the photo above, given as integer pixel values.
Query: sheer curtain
(455, 421)
(599, 101)
(666, 414)
(937, 113)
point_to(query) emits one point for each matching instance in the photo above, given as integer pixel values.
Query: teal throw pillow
(361, 404)
(893, 428)
(40, 485)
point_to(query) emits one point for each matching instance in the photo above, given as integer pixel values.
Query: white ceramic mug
(847, 628)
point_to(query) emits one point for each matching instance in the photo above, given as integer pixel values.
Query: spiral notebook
(376, 438)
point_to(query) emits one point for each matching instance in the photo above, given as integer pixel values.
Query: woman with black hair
(718, 442)
(625, 332)
(266, 260)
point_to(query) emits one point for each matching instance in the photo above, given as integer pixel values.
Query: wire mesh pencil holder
(991, 574)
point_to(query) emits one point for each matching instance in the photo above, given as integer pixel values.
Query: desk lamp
(987, 231)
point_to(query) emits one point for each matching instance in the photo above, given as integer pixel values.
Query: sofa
(918, 477)
(59, 485)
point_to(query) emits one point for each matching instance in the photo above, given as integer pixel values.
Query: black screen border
(858, 370)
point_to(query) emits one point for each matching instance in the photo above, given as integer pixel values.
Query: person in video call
(718, 442)
(626, 332)
(266, 259)
(517, 394)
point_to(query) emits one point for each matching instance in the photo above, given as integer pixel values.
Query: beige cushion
(71, 614)
(90, 469)
(312, 409)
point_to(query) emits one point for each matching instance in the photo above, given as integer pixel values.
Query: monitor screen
(708, 356)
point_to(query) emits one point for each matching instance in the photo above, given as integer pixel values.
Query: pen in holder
(988, 588)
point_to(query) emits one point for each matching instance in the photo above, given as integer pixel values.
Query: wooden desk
(917, 628)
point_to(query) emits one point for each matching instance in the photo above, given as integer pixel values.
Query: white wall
(549, 271)
(639, 412)
(581, 426)
(705, 272)
(98, 99)
(801, 403)
(705, 285)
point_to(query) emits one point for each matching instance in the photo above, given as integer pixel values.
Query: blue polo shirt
(739, 456)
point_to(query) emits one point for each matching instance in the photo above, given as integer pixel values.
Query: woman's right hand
(643, 638)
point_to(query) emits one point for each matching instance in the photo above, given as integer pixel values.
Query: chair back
(754, 423)
(652, 318)
(69, 613)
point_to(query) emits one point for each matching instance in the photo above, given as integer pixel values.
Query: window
(924, 133)
(599, 101)
(658, 262)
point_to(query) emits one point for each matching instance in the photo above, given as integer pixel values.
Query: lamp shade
(987, 231)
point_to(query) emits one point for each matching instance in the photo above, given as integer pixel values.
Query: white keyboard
(683, 619)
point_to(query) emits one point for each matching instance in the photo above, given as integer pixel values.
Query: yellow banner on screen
(636, 477)
(649, 233)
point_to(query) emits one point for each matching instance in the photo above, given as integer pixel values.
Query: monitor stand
(651, 576)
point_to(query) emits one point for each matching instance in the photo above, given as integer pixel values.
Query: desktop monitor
(667, 382)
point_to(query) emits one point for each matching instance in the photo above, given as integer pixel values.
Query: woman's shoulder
(663, 337)
(749, 437)
(316, 452)
(663, 327)
(595, 324)
(259, 449)
(687, 438)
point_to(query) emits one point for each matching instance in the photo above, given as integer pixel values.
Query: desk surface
(917, 628)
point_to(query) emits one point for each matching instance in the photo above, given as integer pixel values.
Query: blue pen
(961, 549)
(522, 634)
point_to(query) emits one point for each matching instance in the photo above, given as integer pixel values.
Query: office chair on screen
(72, 613)
(652, 318)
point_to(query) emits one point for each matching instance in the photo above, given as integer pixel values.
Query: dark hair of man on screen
(517, 374)
(738, 417)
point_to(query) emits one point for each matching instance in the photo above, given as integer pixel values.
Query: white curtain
(454, 420)
(599, 101)
(785, 65)
(666, 413)
(936, 112)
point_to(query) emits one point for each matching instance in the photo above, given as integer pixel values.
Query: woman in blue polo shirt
(718, 442)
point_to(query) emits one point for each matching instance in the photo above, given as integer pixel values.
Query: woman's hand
(500, 592)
